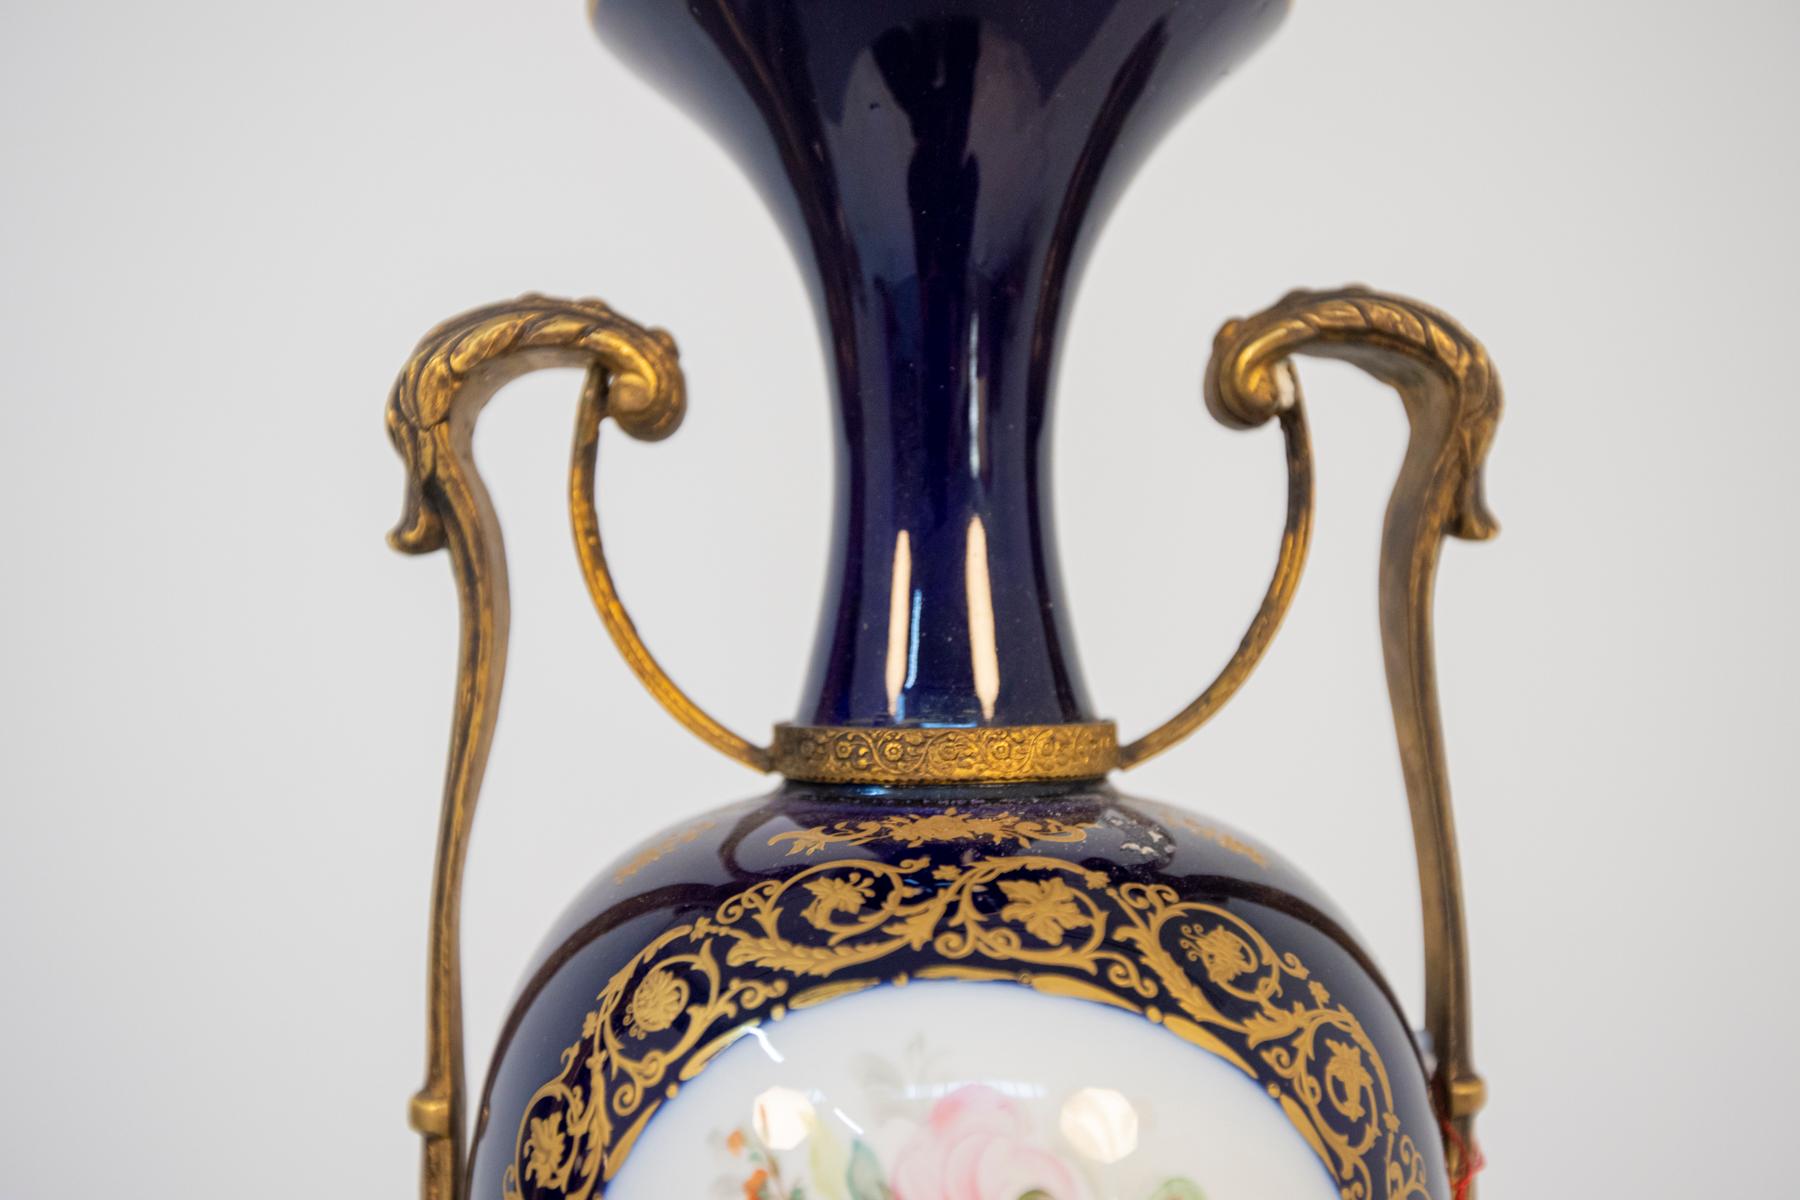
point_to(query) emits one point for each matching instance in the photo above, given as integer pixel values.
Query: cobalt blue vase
(945, 959)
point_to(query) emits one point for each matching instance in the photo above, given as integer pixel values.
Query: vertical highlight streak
(899, 622)
(912, 647)
(977, 399)
(984, 653)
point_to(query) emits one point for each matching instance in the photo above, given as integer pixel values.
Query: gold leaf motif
(835, 896)
(947, 826)
(544, 1152)
(1045, 908)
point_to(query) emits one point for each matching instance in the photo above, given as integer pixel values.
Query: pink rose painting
(974, 1144)
(978, 1145)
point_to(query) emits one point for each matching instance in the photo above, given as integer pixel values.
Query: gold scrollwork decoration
(664, 846)
(915, 755)
(1198, 969)
(431, 417)
(1227, 842)
(916, 829)
(1452, 398)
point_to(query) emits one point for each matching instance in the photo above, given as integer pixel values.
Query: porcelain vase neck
(940, 169)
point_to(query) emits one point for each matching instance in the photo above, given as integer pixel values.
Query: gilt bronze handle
(1290, 561)
(597, 404)
(1452, 399)
(633, 377)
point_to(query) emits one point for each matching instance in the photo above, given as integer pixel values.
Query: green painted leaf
(1178, 1189)
(828, 1162)
(864, 1176)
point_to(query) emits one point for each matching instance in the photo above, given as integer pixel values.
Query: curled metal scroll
(596, 404)
(1290, 562)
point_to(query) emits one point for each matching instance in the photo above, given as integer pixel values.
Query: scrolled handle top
(459, 365)
(1440, 370)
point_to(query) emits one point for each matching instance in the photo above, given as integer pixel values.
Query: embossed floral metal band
(911, 755)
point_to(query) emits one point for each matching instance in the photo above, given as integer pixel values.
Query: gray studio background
(224, 225)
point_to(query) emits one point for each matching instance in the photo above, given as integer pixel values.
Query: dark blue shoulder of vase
(775, 871)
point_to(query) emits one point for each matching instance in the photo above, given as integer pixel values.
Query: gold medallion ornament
(1196, 969)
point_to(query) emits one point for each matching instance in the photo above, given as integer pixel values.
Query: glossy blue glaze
(941, 168)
